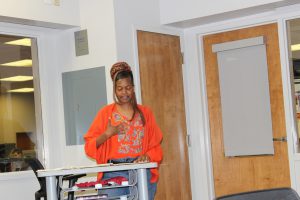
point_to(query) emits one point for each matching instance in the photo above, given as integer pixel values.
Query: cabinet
(131, 184)
(137, 183)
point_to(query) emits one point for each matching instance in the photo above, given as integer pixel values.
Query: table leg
(142, 184)
(51, 188)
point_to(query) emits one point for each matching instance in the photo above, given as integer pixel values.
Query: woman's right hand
(114, 129)
(111, 130)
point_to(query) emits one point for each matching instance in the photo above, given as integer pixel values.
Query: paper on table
(77, 167)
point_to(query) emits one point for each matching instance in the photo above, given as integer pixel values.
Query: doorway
(19, 96)
(160, 66)
(233, 174)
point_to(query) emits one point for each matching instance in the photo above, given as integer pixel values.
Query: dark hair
(16, 150)
(128, 74)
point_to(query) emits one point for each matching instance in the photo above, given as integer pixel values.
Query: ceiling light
(295, 47)
(22, 90)
(21, 42)
(18, 78)
(19, 63)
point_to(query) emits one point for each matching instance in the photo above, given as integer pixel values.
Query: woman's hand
(142, 158)
(110, 131)
(114, 130)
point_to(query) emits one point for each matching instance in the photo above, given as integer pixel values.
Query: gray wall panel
(84, 93)
(245, 100)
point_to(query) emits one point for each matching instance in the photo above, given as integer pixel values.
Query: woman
(124, 132)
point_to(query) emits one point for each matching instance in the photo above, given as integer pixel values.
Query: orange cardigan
(151, 140)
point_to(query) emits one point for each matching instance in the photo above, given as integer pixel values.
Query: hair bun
(118, 67)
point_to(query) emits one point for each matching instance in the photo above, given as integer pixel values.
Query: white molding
(136, 73)
(193, 36)
(288, 12)
(206, 127)
(288, 100)
(201, 167)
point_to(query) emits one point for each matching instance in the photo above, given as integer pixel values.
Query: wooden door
(239, 174)
(162, 90)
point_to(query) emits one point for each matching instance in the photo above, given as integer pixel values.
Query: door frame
(45, 38)
(195, 57)
(192, 148)
(19, 30)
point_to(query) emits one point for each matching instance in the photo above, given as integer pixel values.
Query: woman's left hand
(142, 158)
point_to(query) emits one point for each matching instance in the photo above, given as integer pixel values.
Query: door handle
(281, 139)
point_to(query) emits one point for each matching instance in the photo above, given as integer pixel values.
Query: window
(18, 121)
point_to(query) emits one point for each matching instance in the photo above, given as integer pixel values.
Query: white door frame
(46, 61)
(199, 124)
(192, 149)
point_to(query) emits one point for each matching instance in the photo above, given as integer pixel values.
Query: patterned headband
(119, 67)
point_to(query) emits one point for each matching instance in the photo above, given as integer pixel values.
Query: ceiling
(10, 53)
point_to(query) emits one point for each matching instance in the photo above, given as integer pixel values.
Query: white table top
(94, 168)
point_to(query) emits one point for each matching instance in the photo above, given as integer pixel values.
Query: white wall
(111, 27)
(18, 185)
(129, 15)
(35, 11)
(98, 18)
(133, 15)
(58, 56)
(177, 10)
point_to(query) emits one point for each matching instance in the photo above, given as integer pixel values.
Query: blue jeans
(125, 190)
